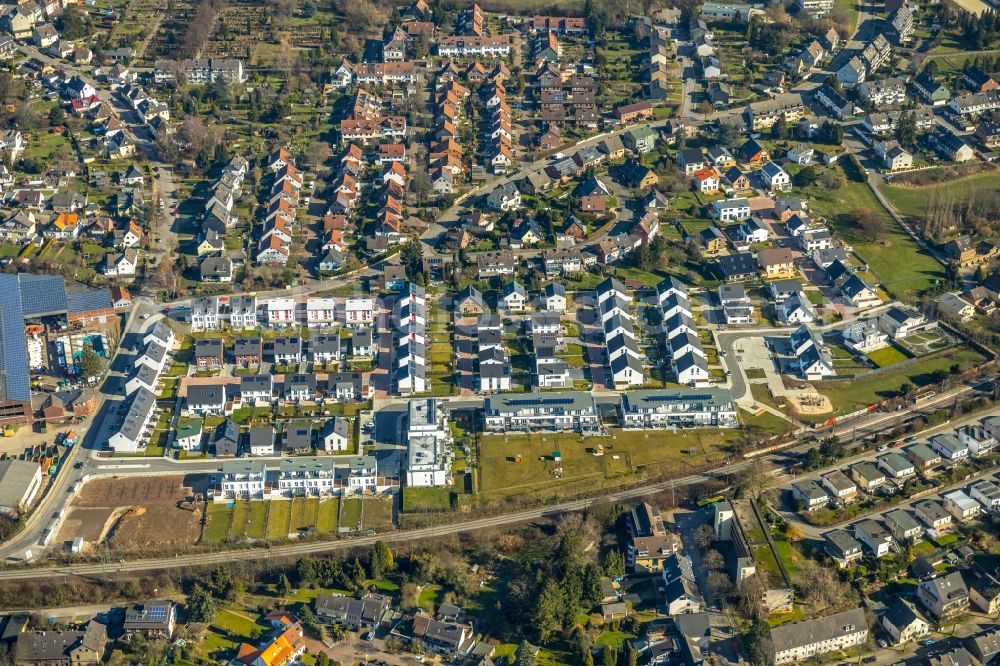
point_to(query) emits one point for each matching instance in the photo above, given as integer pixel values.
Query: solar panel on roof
(541, 401)
(42, 294)
(14, 377)
(92, 299)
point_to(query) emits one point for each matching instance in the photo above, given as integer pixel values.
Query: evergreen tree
(614, 564)
(525, 655)
(283, 586)
(200, 605)
(547, 611)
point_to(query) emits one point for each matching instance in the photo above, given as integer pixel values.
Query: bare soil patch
(133, 513)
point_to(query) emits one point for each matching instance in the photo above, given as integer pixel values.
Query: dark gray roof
(288, 345)
(297, 438)
(830, 627)
(138, 407)
(256, 383)
(260, 436)
(733, 265)
(208, 347)
(211, 394)
(247, 346)
(89, 301)
(227, 438)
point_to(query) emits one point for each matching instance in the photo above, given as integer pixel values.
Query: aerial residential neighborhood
(522, 333)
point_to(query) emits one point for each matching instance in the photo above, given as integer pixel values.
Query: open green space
(218, 517)
(852, 394)
(766, 423)
(896, 260)
(625, 452)
(279, 515)
(886, 356)
(326, 517)
(257, 520)
(350, 513)
(914, 201)
(426, 499)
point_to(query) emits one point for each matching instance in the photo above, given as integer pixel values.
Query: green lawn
(257, 524)
(625, 451)
(897, 261)
(279, 515)
(217, 528)
(303, 515)
(852, 394)
(326, 518)
(238, 522)
(351, 513)
(767, 423)
(886, 356)
(430, 597)
(426, 499)
(236, 623)
(914, 201)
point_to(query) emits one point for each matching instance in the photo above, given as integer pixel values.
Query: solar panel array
(42, 295)
(14, 377)
(539, 401)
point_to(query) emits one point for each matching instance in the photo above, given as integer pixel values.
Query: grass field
(257, 527)
(898, 262)
(239, 520)
(625, 451)
(351, 513)
(426, 499)
(279, 516)
(852, 394)
(886, 356)
(914, 201)
(377, 514)
(766, 422)
(303, 514)
(326, 518)
(216, 529)
(276, 519)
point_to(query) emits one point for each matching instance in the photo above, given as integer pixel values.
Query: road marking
(143, 466)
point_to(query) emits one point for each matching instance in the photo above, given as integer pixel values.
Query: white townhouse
(320, 312)
(359, 311)
(280, 312)
(729, 210)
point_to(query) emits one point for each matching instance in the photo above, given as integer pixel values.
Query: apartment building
(677, 408)
(571, 410)
(805, 640)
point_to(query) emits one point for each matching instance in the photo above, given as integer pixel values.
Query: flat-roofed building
(868, 476)
(678, 408)
(875, 537)
(511, 412)
(986, 493)
(839, 485)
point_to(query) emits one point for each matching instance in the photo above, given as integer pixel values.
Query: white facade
(280, 312)
(359, 311)
(320, 312)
